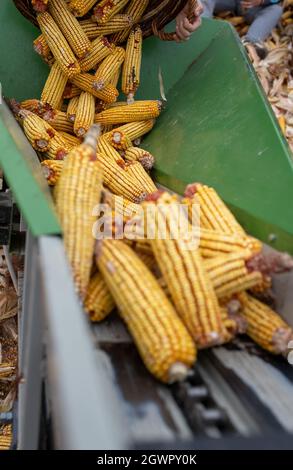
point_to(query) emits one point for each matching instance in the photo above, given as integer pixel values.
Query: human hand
(247, 4)
(185, 27)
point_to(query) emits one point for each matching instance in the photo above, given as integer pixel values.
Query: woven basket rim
(163, 17)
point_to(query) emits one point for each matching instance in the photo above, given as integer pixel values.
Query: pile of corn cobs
(173, 297)
(275, 71)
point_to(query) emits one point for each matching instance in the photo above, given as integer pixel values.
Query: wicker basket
(168, 10)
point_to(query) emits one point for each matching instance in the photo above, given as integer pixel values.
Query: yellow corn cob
(76, 194)
(38, 131)
(71, 91)
(108, 68)
(99, 303)
(115, 78)
(58, 45)
(162, 340)
(133, 154)
(132, 63)
(85, 114)
(138, 111)
(106, 9)
(70, 27)
(263, 286)
(58, 120)
(32, 105)
(72, 108)
(138, 173)
(214, 244)
(135, 9)
(81, 7)
(119, 181)
(108, 150)
(228, 273)
(214, 214)
(39, 5)
(187, 280)
(224, 264)
(61, 123)
(58, 148)
(72, 140)
(41, 47)
(122, 137)
(121, 206)
(52, 170)
(118, 140)
(240, 283)
(54, 86)
(234, 322)
(117, 23)
(101, 48)
(86, 82)
(265, 326)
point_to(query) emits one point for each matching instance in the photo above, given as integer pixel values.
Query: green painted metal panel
(22, 72)
(218, 128)
(23, 174)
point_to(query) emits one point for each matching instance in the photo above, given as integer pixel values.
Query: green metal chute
(217, 127)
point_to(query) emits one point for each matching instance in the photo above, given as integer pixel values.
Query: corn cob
(58, 120)
(72, 108)
(119, 181)
(58, 45)
(265, 326)
(52, 170)
(41, 47)
(39, 5)
(32, 105)
(61, 123)
(81, 176)
(54, 86)
(81, 7)
(38, 131)
(232, 319)
(229, 274)
(183, 269)
(133, 154)
(120, 205)
(109, 67)
(86, 82)
(138, 173)
(106, 9)
(214, 214)
(114, 80)
(136, 10)
(101, 48)
(162, 340)
(99, 303)
(85, 114)
(72, 140)
(239, 283)
(132, 63)
(70, 27)
(117, 23)
(138, 111)
(58, 148)
(108, 150)
(213, 244)
(122, 137)
(71, 91)
(263, 286)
